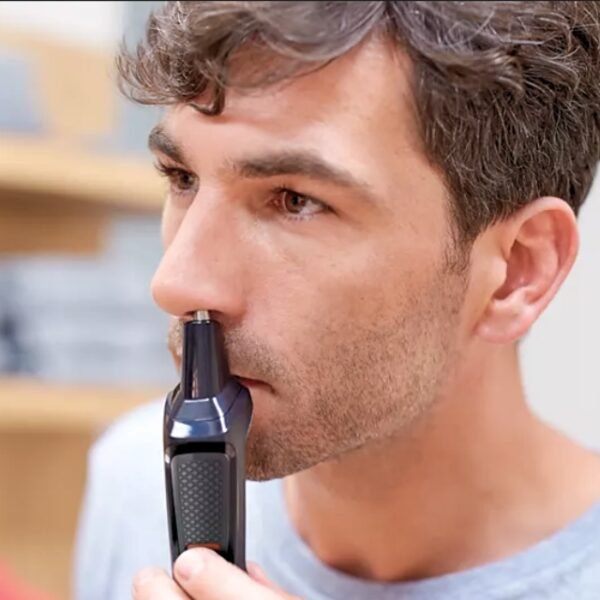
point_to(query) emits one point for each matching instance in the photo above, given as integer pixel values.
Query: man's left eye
(297, 206)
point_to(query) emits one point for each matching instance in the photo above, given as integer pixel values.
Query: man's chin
(267, 459)
(274, 454)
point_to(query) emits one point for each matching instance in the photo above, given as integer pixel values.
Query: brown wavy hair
(507, 94)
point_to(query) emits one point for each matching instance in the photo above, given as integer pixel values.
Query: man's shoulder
(126, 461)
(134, 431)
(124, 501)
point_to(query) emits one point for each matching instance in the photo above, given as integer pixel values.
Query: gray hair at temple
(506, 94)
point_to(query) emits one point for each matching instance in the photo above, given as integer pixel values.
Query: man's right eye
(181, 181)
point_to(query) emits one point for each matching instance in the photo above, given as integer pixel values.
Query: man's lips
(251, 383)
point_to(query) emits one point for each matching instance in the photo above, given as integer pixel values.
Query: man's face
(317, 234)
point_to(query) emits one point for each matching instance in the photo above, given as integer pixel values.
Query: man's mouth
(251, 383)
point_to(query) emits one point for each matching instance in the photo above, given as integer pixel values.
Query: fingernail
(189, 564)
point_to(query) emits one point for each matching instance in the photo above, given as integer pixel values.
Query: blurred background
(80, 339)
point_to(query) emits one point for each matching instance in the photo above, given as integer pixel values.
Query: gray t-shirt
(123, 529)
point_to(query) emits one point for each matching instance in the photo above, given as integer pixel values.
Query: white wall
(97, 24)
(562, 354)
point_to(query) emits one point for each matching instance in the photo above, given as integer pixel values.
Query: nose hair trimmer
(206, 421)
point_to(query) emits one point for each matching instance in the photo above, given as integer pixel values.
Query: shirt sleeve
(122, 523)
(98, 533)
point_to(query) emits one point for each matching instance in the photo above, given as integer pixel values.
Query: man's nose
(201, 267)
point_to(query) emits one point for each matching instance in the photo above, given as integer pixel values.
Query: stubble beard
(346, 389)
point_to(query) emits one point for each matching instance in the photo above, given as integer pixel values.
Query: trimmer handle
(204, 443)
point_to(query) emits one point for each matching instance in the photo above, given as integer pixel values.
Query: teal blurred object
(92, 319)
(19, 108)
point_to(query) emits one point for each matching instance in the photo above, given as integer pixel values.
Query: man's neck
(478, 480)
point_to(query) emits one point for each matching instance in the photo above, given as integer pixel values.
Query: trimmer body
(206, 422)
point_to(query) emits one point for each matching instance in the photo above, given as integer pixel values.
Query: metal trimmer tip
(201, 315)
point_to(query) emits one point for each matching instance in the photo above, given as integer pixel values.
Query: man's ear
(534, 251)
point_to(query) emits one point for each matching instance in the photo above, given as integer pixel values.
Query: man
(376, 200)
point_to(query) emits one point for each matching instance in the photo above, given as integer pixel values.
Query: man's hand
(202, 574)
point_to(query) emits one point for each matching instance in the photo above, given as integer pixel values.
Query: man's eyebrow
(299, 162)
(291, 162)
(159, 141)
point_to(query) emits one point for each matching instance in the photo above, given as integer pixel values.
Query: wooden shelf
(41, 169)
(57, 197)
(36, 406)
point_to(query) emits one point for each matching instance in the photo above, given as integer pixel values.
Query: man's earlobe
(539, 245)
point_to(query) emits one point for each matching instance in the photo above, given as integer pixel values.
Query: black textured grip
(201, 483)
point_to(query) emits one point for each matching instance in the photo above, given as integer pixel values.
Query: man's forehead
(370, 82)
(345, 123)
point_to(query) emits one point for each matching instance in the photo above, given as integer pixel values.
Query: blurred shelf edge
(44, 170)
(57, 197)
(39, 406)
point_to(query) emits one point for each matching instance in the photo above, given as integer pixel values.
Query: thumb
(205, 575)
